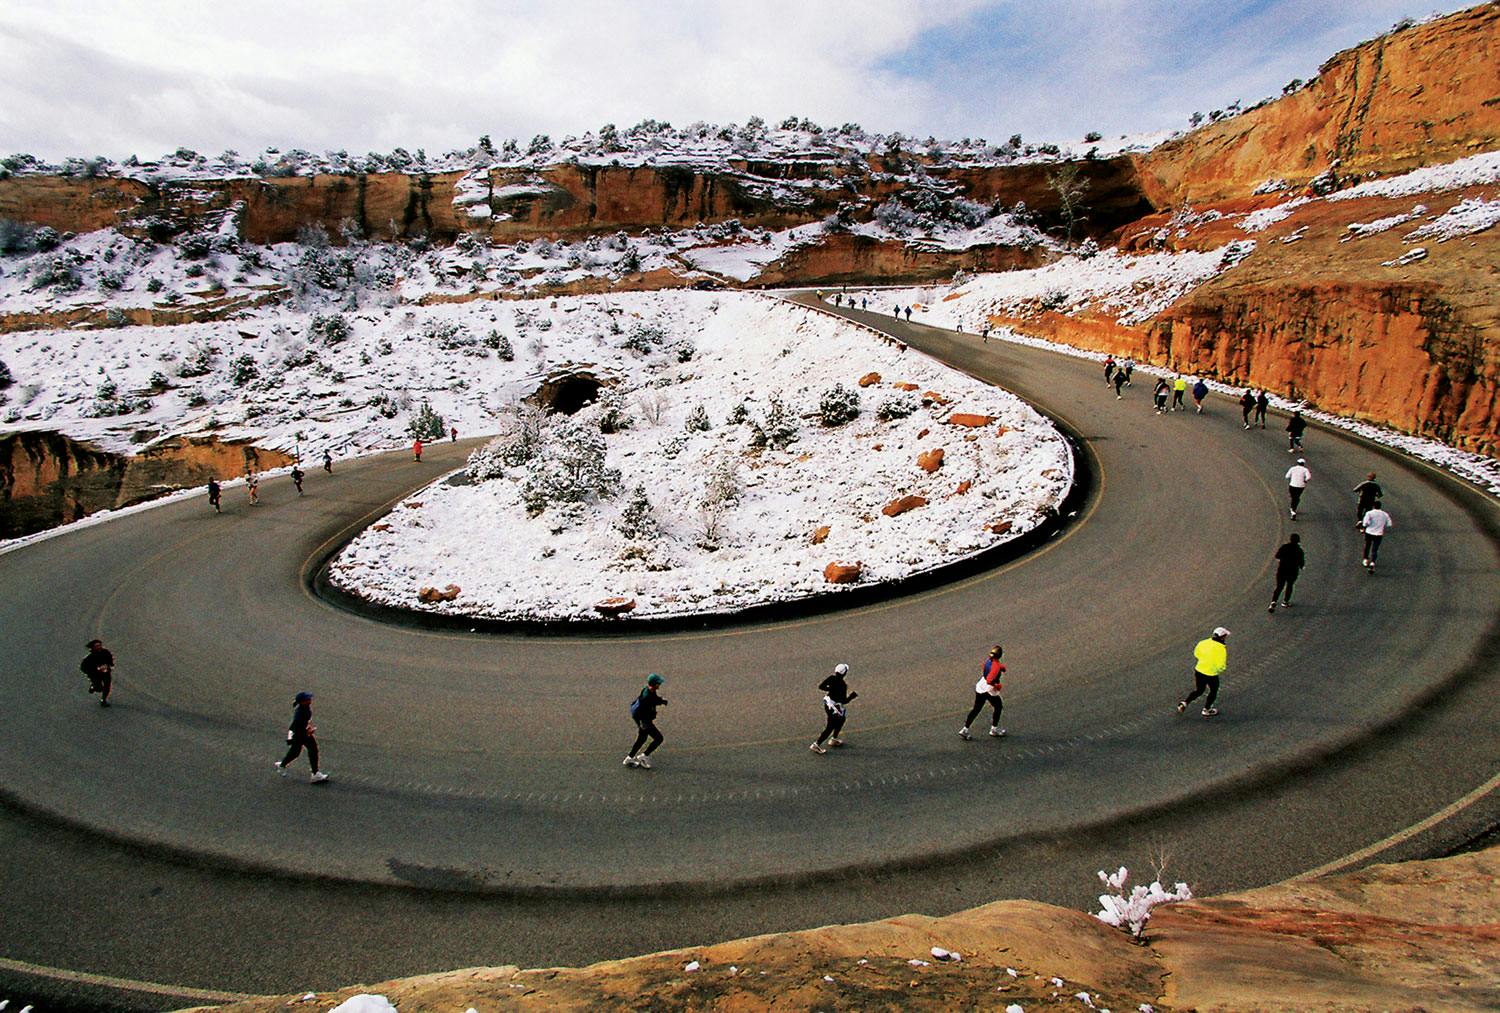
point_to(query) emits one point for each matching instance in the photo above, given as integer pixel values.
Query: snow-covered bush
(643, 338)
(242, 369)
(1054, 300)
(1088, 249)
(331, 329)
(569, 467)
(653, 405)
(60, 273)
(738, 415)
(839, 405)
(637, 522)
(487, 462)
(46, 238)
(686, 351)
(426, 424)
(6, 377)
(500, 345)
(722, 483)
(199, 361)
(447, 335)
(1132, 911)
(697, 420)
(610, 411)
(897, 406)
(780, 430)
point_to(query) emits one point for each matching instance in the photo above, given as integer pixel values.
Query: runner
(1295, 427)
(1160, 395)
(1212, 659)
(1262, 402)
(416, 449)
(453, 435)
(297, 477)
(987, 691)
(1179, 389)
(1128, 368)
(985, 334)
(1290, 560)
(1374, 524)
(214, 493)
(302, 733)
(1369, 493)
(252, 487)
(1119, 383)
(1109, 369)
(99, 666)
(1200, 391)
(908, 314)
(643, 713)
(836, 697)
(328, 462)
(1247, 405)
(1297, 477)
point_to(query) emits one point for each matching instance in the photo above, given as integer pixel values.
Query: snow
(365, 1003)
(1475, 170)
(1463, 219)
(1132, 911)
(1131, 287)
(1359, 230)
(691, 966)
(560, 564)
(1259, 221)
(1409, 257)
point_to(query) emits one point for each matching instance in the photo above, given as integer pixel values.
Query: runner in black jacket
(302, 733)
(1290, 559)
(1369, 493)
(835, 699)
(99, 666)
(643, 711)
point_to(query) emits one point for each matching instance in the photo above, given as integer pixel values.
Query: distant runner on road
(1212, 659)
(1160, 394)
(643, 713)
(1374, 524)
(1109, 370)
(297, 477)
(215, 492)
(1262, 402)
(252, 487)
(1200, 391)
(1179, 389)
(1247, 405)
(1297, 477)
(1290, 559)
(453, 434)
(416, 449)
(1119, 383)
(1295, 427)
(1128, 367)
(836, 697)
(1369, 493)
(987, 691)
(328, 462)
(302, 734)
(99, 666)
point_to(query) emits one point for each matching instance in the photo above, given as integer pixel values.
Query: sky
(132, 77)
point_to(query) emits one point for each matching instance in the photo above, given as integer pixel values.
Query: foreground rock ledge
(1418, 935)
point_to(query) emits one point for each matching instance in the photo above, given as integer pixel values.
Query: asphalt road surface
(479, 813)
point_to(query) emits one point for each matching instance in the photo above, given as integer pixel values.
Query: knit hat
(654, 680)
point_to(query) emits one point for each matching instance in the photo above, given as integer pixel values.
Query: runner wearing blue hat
(643, 713)
(302, 733)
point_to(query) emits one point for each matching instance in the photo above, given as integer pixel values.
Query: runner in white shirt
(1375, 523)
(1297, 477)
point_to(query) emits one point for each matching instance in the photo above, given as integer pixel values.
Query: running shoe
(643, 761)
(1271, 607)
(318, 777)
(835, 741)
(1209, 712)
(996, 733)
(963, 733)
(280, 769)
(1182, 707)
(630, 761)
(815, 747)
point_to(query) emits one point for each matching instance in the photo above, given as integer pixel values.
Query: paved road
(473, 763)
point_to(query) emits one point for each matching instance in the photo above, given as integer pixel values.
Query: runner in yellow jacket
(1212, 659)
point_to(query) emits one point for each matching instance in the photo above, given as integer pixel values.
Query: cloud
(145, 77)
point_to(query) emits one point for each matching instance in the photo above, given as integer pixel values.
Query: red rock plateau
(1422, 935)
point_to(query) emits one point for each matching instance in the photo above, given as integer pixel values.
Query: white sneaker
(835, 742)
(817, 749)
(318, 777)
(963, 733)
(1209, 712)
(280, 769)
(1182, 707)
(643, 761)
(996, 733)
(630, 761)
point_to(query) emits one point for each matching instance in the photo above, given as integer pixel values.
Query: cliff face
(1424, 95)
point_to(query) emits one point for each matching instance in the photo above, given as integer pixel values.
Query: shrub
(522, 431)
(195, 246)
(46, 238)
(331, 329)
(500, 344)
(686, 351)
(738, 415)
(1054, 300)
(115, 317)
(199, 361)
(426, 424)
(448, 335)
(15, 237)
(722, 483)
(60, 273)
(637, 522)
(780, 430)
(1133, 911)
(242, 369)
(643, 338)
(7, 378)
(897, 406)
(610, 411)
(1092, 136)
(697, 420)
(1088, 249)
(159, 382)
(569, 467)
(839, 405)
(154, 285)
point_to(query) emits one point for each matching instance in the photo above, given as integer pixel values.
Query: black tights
(1285, 581)
(1208, 682)
(647, 730)
(834, 725)
(295, 750)
(980, 699)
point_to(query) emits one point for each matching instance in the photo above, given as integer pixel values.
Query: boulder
(869, 379)
(971, 421)
(932, 397)
(908, 387)
(963, 487)
(430, 595)
(998, 527)
(897, 507)
(930, 460)
(820, 535)
(415, 504)
(842, 573)
(923, 434)
(381, 527)
(614, 606)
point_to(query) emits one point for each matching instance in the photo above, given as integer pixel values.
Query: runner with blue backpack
(643, 713)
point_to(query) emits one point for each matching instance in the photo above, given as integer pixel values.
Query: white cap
(841, 669)
(1220, 631)
(1301, 460)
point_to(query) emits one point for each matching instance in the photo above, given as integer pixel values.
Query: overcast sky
(123, 77)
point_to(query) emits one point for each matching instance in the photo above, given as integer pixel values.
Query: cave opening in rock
(565, 395)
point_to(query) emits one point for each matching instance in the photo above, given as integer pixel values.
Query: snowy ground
(736, 524)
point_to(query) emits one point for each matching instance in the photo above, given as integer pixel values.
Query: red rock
(820, 535)
(963, 487)
(972, 421)
(429, 595)
(896, 507)
(878, 446)
(930, 460)
(998, 527)
(381, 527)
(869, 379)
(970, 438)
(923, 434)
(415, 504)
(905, 386)
(842, 573)
(614, 606)
(931, 397)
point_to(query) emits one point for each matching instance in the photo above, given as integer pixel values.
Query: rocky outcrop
(1422, 935)
(930, 460)
(1416, 97)
(616, 606)
(432, 595)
